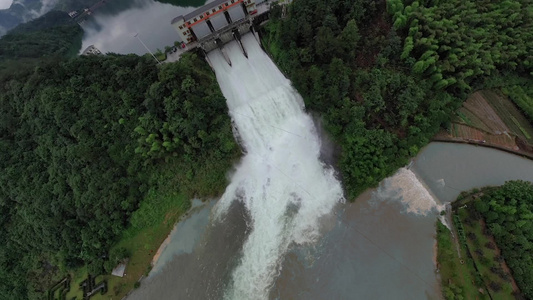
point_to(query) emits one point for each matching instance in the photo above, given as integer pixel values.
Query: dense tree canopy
(79, 140)
(508, 212)
(454, 42)
(386, 81)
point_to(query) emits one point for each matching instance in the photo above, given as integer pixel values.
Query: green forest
(508, 212)
(52, 36)
(386, 75)
(83, 140)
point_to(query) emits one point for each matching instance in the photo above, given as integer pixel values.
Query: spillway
(281, 181)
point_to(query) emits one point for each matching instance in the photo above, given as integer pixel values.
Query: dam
(217, 23)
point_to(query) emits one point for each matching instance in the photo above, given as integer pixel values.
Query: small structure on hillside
(91, 50)
(120, 269)
(90, 287)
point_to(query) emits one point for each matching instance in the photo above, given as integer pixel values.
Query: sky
(5, 4)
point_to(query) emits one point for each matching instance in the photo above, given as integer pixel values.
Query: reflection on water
(113, 26)
(448, 169)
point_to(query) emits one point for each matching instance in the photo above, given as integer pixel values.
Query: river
(282, 230)
(113, 26)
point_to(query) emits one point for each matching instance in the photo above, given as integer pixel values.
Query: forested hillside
(22, 11)
(508, 212)
(386, 76)
(50, 37)
(80, 141)
(54, 34)
(19, 12)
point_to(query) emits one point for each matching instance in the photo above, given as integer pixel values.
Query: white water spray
(405, 186)
(281, 181)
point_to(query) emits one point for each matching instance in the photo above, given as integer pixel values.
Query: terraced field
(466, 117)
(487, 116)
(473, 134)
(490, 118)
(511, 116)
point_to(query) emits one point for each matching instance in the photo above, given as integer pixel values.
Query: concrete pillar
(210, 25)
(244, 8)
(228, 18)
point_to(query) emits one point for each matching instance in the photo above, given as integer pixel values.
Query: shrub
(490, 245)
(495, 286)
(96, 267)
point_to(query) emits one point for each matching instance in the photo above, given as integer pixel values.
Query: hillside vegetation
(82, 141)
(51, 37)
(385, 76)
(508, 212)
(22, 11)
(522, 96)
(54, 34)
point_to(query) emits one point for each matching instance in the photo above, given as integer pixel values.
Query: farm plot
(511, 116)
(468, 133)
(480, 108)
(466, 117)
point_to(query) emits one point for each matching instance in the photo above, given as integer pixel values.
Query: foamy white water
(281, 181)
(404, 186)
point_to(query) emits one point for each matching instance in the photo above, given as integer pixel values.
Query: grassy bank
(456, 272)
(470, 263)
(142, 246)
(149, 226)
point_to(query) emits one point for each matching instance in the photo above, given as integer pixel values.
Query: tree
(506, 210)
(82, 146)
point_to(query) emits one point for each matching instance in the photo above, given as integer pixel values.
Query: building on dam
(219, 22)
(211, 18)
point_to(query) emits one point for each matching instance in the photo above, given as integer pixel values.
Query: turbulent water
(404, 186)
(285, 188)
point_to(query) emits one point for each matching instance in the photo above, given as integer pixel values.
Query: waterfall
(284, 186)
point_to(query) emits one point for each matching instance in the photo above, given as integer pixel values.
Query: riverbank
(141, 245)
(443, 138)
(155, 219)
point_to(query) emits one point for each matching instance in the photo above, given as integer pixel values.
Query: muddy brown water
(371, 249)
